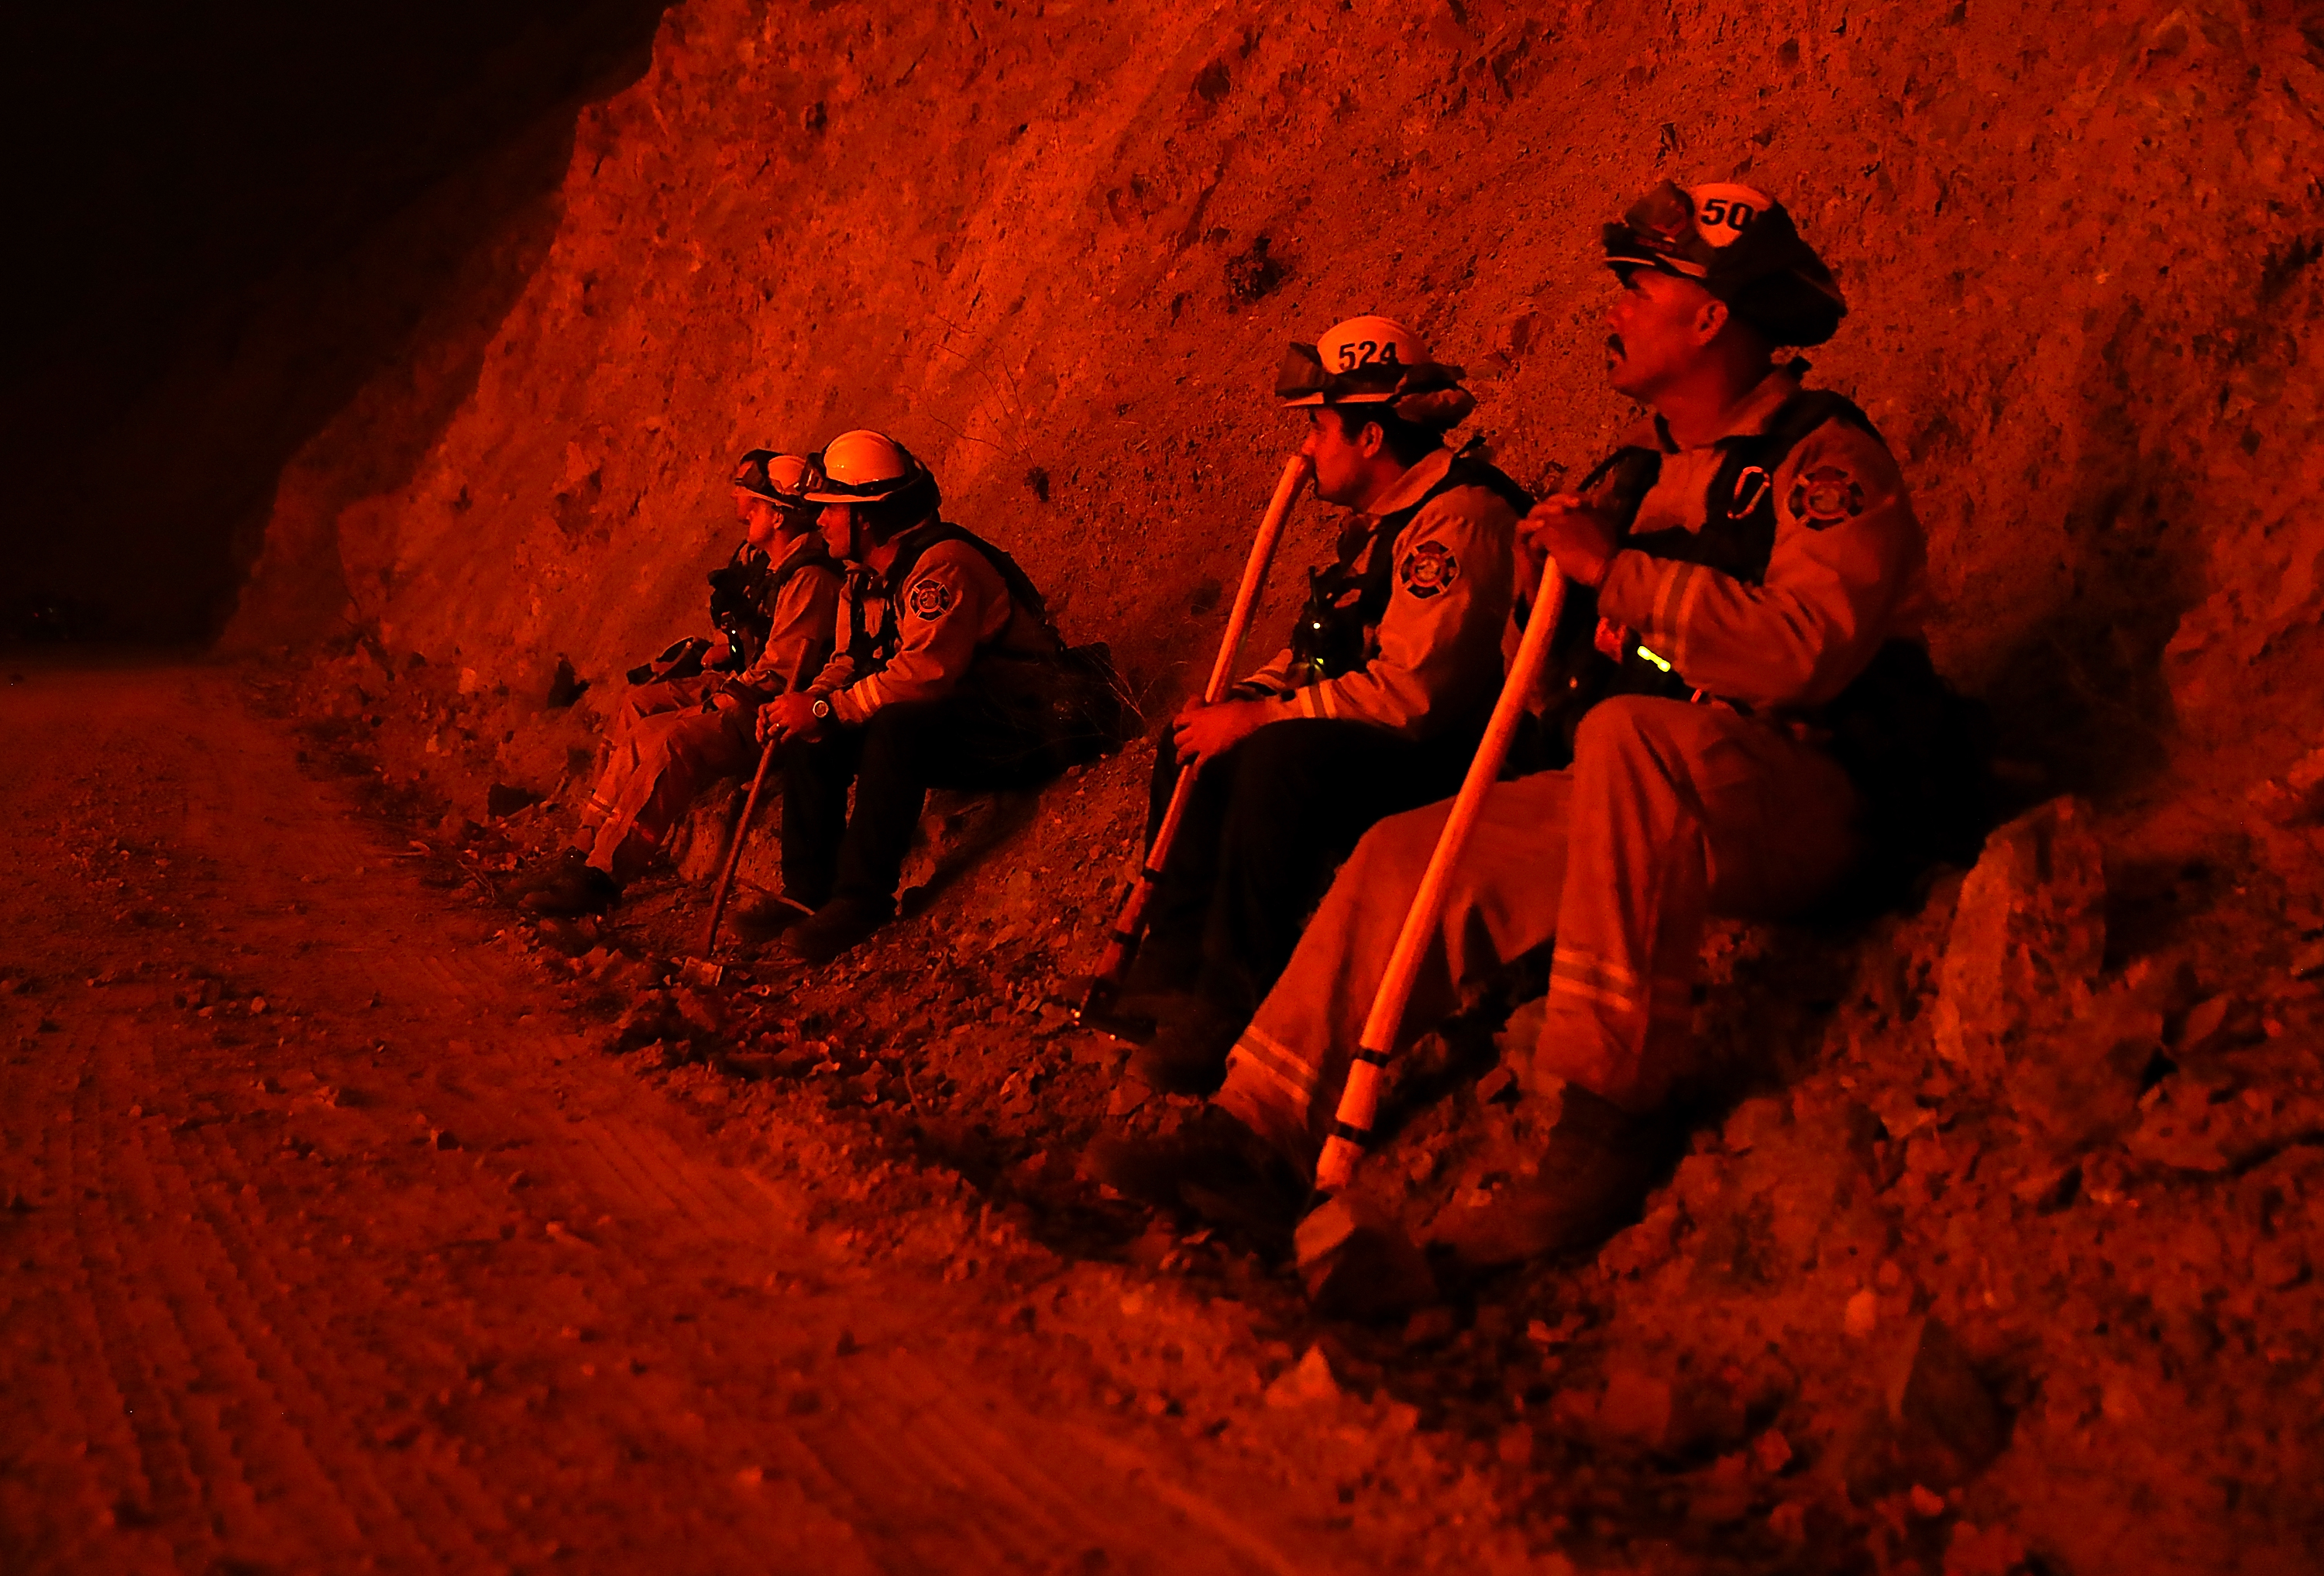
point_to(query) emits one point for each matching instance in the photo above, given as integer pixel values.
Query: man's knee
(811, 760)
(1286, 765)
(896, 736)
(665, 741)
(1393, 853)
(1288, 744)
(1635, 727)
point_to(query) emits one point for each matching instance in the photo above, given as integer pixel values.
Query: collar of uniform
(1416, 480)
(1746, 417)
(808, 547)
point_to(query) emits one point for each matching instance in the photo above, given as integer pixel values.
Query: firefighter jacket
(801, 596)
(1440, 558)
(909, 628)
(1770, 565)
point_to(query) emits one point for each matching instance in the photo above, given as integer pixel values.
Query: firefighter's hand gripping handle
(1121, 945)
(1359, 1100)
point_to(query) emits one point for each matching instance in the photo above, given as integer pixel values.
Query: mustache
(1614, 343)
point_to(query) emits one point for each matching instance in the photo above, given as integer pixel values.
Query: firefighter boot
(1596, 1169)
(1214, 1166)
(840, 926)
(575, 890)
(1188, 1052)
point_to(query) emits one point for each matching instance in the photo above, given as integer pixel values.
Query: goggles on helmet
(750, 475)
(1304, 379)
(827, 489)
(863, 466)
(1659, 232)
(778, 478)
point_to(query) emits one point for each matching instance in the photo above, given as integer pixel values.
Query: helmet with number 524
(1375, 361)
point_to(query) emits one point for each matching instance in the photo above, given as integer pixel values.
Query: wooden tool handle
(1254, 577)
(1121, 945)
(1359, 1100)
(734, 849)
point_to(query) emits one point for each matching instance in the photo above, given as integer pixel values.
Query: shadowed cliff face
(223, 222)
(1071, 240)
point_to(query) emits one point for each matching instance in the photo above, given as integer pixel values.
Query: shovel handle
(1130, 925)
(734, 849)
(1360, 1100)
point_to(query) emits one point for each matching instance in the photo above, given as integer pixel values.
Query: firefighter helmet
(778, 478)
(1738, 244)
(863, 466)
(1375, 361)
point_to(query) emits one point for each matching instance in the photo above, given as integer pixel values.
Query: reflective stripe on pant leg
(1687, 809)
(1285, 1075)
(1601, 982)
(666, 759)
(640, 706)
(1270, 1088)
(1310, 1021)
(1630, 927)
(695, 749)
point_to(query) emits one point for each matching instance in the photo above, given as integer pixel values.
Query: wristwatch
(822, 708)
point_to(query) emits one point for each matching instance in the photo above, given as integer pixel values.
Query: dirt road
(325, 1244)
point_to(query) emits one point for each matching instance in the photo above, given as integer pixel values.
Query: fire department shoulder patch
(928, 599)
(1428, 569)
(1825, 496)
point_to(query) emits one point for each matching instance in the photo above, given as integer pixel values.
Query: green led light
(1657, 662)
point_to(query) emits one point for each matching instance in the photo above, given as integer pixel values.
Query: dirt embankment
(1058, 249)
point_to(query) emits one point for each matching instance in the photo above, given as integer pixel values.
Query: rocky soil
(328, 1243)
(1997, 1248)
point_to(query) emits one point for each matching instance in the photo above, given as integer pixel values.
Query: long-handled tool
(735, 854)
(1359, 1100)
(1122, 947)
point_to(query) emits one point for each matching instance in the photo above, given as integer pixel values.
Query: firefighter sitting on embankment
(1374, 707)
(673, 734)
(1757, 575)
(945, 673)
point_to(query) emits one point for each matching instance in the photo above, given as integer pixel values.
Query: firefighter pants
(1670, 812)
(1263, 827)
(961, 741)
(661, 749)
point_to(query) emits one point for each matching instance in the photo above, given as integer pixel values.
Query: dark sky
(157, 150)
(166, 160)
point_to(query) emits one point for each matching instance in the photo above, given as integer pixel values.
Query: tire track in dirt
(428, 1285)
(221, 1334)
(265, 1337)
(442, 996)
(903, 1425)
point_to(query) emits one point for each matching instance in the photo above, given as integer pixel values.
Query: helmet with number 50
(1375, 361)
(1738, 244)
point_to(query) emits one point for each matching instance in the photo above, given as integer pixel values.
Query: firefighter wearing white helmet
(680, 727)
(1374, 706)
(1755, 574)
(940, 677)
